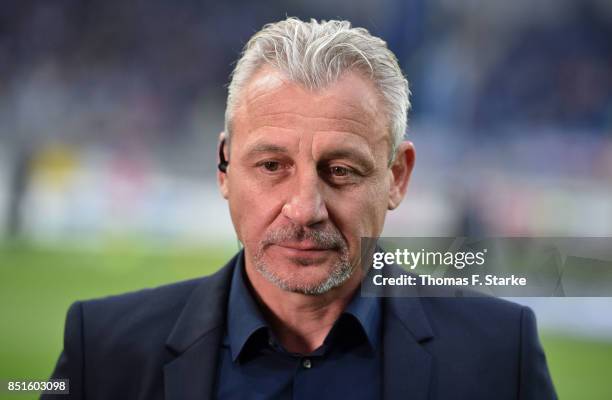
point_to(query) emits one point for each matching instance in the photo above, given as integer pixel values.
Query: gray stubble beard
(340, 273)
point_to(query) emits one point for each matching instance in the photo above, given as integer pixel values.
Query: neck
(301, 322)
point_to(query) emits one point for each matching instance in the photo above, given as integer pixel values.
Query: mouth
(305, 246)
(303, 250)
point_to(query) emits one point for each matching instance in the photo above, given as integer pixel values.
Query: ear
(400, 172)
(222, 176)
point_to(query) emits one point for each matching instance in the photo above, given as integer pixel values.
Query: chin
(311, 279)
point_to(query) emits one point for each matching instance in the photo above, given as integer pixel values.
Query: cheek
(360, 213)
(252, 210)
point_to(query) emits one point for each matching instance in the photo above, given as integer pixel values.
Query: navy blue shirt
(254, 365)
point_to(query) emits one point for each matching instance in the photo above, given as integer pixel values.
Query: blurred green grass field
(37, 284)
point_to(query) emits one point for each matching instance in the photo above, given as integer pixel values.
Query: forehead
(271, 103)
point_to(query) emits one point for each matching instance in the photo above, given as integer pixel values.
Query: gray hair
(315, 54)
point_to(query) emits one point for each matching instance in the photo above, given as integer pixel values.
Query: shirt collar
(367, 311)
(245, 318)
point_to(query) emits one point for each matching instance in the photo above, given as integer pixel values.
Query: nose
(306, 205)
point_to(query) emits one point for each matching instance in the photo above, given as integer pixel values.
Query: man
(311, 159)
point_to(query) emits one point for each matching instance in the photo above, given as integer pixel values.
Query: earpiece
(222, 161)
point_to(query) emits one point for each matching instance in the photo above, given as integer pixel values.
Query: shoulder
(473, 305)
(478, 332)
(487, 318)
(124, 320)
(137, 320)
(155, 299)
(119, 342)
(134, 308)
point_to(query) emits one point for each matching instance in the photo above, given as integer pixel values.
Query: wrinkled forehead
(351, 89)
(271, 101)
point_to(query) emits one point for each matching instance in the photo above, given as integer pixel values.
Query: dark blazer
(162, 343)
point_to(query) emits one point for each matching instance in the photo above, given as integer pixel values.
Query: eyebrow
(267, 148)
(357, 156)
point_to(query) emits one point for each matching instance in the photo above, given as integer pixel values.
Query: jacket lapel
(406, 363)
(192, 374)
(196, 337)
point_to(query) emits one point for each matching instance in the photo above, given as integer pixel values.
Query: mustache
(325, 239)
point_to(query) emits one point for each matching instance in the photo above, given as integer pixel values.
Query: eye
(271, 166)
(339, 171)
(340, 175)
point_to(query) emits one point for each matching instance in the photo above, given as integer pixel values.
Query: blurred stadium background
(110, 110)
